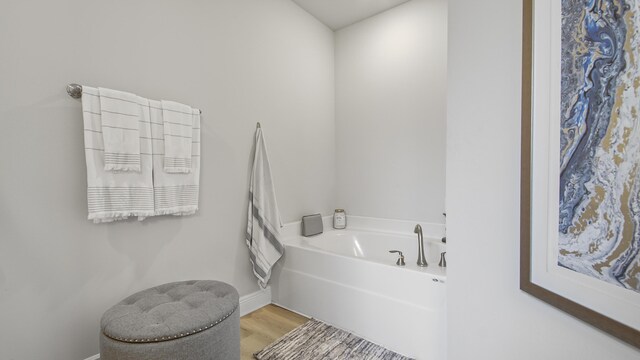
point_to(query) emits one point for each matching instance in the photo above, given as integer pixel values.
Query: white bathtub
(350, 280)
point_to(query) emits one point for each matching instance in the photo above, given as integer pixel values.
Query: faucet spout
(422, 260)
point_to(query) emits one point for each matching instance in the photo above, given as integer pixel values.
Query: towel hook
(258, 125)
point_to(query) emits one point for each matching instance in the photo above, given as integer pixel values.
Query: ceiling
(337, 14)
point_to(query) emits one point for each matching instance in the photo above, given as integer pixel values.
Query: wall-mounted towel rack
(75, 91)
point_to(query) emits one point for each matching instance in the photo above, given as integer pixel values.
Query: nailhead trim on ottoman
(185, 320)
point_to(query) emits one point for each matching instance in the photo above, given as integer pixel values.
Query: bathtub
(348, 278)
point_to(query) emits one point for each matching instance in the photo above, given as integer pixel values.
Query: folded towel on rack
(175, 193)
(178, 135)
(120, 113)
(116, 195)
(263, 223)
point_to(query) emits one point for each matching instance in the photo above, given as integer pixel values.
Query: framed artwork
(580, 190)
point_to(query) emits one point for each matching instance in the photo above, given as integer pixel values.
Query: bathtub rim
(378, 225)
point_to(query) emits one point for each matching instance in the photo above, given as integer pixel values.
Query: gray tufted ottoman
(189, 320)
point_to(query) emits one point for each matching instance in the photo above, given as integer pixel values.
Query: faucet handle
(443, 259)
(400, 261)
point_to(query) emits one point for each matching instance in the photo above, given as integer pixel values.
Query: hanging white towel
(120, 113)
(175, 193)
(178, 135)
(115, 195)
(263, 223)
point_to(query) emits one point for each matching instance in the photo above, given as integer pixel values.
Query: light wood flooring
(265, 325)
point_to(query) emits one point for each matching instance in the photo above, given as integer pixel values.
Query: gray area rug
(316, 340)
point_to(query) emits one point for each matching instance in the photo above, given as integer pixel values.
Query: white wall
(391, 113)
(240, 61)
(488, 316)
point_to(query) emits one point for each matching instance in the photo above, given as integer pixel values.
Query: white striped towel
(115, 195)
(120, 113)
(175, 193)
(178, 135)
(263, 223)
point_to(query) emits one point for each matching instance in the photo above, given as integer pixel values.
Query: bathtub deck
(263, 326)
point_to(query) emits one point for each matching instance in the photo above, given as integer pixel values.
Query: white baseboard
(248, 303)
(254, 301)
(292, 310)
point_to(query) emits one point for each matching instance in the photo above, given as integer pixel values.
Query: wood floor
(263, 326)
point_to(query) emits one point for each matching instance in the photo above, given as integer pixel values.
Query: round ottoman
(188, 320)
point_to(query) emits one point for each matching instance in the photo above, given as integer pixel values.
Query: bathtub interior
(373, 246)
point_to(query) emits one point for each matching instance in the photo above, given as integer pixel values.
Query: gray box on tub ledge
(188, 320)
(312, 225)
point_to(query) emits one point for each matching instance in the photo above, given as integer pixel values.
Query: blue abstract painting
(599, 218)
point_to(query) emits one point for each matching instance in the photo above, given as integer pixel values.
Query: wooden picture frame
(624, 332)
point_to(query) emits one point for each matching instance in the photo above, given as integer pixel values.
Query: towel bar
(75, 91)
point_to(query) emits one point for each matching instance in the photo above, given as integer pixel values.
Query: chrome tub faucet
(422, 261)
